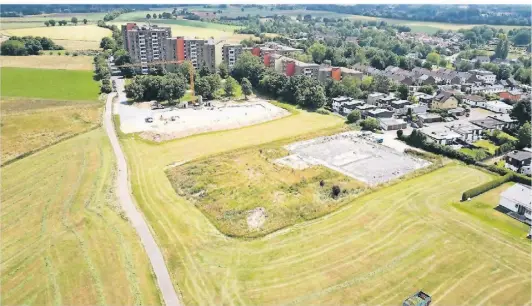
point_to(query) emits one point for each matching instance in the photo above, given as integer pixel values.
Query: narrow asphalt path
(134, 216)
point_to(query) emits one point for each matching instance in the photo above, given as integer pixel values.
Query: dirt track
(137, 220)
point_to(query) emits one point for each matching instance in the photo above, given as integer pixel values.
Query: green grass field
(379, 249)
(33, 21)
(29, 125)
(488, 145)
(64, 237)
(288, 196)
(48, 84)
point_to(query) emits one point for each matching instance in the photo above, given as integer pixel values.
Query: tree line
(27, 45)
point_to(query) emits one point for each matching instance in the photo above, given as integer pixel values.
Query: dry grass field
(64, 239)
(228, 186)
(48, 62)
(31, 124)
(33, 21)
(378, 249)
(71, 37)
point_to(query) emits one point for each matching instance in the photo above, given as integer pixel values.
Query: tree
(204, 71)
(52, 22)
(370, 124)
(13, 48)
(108, 43)
(505, 72)
(246, 87)
(433, 58)
(399, 134)
(443, 63)
(134, 90)
(160, 16)
(403, 91)
(335, 191)
(248, 66)
(523, 136)
(85, 21)
(381, 84)
(148, 16)
(501, 51)
(229, 87)
(354, 116)
(202, 87)
(427, 65)
(317, 51)
(74, 20)
(521, 111)
(47, 23)
(173, 87)
(426, 89)
(154, 16)
(223, 70)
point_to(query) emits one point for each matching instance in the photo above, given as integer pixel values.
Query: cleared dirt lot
(190, 121)
(351, 154)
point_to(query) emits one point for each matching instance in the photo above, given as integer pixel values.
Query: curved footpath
(134, 216)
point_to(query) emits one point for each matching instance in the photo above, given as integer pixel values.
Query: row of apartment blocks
(147, 44)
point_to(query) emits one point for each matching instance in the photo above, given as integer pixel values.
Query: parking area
(354, 155)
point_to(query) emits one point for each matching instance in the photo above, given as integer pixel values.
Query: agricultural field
(29, 125)
(271, 196)
(80, 37)
(47, 61)
(427, 27)
(48, 84)
(378, 249)
(34, 21)
(64, 237)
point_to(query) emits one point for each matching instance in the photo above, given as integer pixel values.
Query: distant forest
(467, 14)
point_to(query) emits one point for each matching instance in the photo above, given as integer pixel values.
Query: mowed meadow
(65, 240)
(377, 249)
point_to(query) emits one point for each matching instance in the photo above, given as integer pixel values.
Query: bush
(323, 111)
(354, 116)
(522, 179)
(486, 186)
(335, 191)
(67, 53)
(75, 54)
(370, 124)
(399, 134)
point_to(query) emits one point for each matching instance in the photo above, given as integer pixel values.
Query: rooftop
(506, 118)
(440, 133)
(487, 123)
(519, 193)
(378, 111)
(520, 155)
(463, 128)
(391, 121)
(475, 98)
(366, 107)
(429, 116)
(498, 104)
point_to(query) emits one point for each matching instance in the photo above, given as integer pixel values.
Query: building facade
(145, 44)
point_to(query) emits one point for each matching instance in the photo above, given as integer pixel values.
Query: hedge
(473, 192)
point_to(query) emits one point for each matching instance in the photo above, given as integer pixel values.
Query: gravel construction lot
(190, 121)
(352, 155)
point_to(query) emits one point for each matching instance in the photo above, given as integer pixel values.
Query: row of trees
(163, 15)
(102, 73)
(73, 20)
(27, 45)
(170, 87)
(112, 15)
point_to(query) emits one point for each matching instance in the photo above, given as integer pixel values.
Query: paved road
(124, 196)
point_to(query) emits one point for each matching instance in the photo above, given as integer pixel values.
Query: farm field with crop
(380, 248)
(29, 125)
(64, 237)
(47, 61)
(71, 37)
(48, 84)
(33, 21)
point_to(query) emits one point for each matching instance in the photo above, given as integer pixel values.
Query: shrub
(399, 134)
(522, 179)
(486, 186)
(323, 111)
(67, 53)
(354, 116)
(370, 124)
(335, 191)
(75, 54)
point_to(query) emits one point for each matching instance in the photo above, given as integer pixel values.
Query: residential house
(487, 89)
(338, 102)
(507, 121)
(440, 135)
(482, 59)
(365, 108)
(416, 109)
(518, 161)
(424, 98)
(487, 76)
(458, 111)
(488, 124)
(429, 118)
(518, 199)
(327, 73)
(347, 72)
(399, 104)
(444, 100)
(380, 113)
(390, 124)
(468, 132)
(373, 97)
(475, 101)
(512, 95)
(498, 107)
(426, 80)
(386, 101)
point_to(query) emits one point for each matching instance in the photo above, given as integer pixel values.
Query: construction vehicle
(418, 299)
(191, 71)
